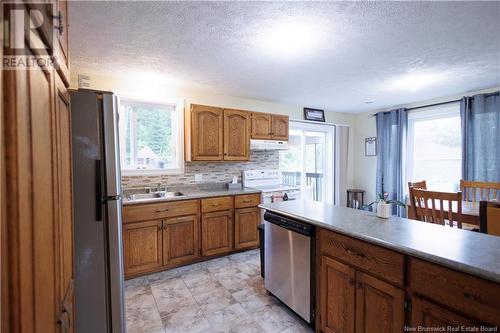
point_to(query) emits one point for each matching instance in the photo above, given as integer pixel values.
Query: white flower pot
(384, 210)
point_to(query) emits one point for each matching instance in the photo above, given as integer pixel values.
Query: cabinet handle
(355, 253)
(161, 210)
(247, 201)
(59, 27)
(215, 204)
(351, 282)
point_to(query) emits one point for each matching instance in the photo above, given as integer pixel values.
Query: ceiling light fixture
(290, 37)
(415, 81)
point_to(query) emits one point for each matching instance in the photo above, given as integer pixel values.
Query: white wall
(155, 90)
(365, 168)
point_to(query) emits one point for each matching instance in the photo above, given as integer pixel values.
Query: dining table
(470, 212)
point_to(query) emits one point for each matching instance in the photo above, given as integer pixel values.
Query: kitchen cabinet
(336, 297)
(207, 126)
(142, 242)
(269, 127)
(261, 126)
(428, 314)
(279, 127)
(217, 232)
(246, 221)
(236, 135)
(61, 41)
(180, 239)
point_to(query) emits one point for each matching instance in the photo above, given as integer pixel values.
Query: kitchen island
(382, 275)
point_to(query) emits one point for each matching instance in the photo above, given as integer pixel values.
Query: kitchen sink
(153, 195)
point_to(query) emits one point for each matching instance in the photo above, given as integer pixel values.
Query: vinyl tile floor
(220, 295)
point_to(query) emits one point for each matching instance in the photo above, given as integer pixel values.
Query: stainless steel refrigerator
(97, 213)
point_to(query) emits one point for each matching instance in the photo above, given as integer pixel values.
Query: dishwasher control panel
(290, 224)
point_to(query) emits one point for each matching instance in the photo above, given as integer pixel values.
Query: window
(150, 137)
(308, 162)
(435, 147)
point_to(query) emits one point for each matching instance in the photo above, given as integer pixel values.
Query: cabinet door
(206, 133)
(216, 232)
(280, 127)
(427, 314)
(180, 239)
(379, 306)
(61, 40)
(142, 243)
(65, 211)
(236, 135)
(246, 221)
(337, 297)
(261, 125)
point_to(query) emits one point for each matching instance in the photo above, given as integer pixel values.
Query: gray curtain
(480, 116)
(341, 156)
(391, 146)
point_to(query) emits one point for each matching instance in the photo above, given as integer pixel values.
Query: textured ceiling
(362, 51)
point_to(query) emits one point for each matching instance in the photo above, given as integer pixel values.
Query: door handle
(98, 190)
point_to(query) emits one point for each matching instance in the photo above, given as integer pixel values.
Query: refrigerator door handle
(98, 190)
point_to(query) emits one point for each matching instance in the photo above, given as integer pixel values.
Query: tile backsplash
(213, 172)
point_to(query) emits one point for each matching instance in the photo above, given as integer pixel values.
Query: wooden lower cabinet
(246, 221)
(336, 297)
(428, 314)
(180, 239)
(379, 305)
(217, 232)
(142, 242)
(351, 301)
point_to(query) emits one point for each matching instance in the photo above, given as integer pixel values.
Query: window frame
(449, 110)
(178, 118)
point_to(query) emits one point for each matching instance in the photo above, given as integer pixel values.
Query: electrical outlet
(198, 177)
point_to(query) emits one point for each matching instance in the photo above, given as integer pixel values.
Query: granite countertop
(190, 192)
(466, 251)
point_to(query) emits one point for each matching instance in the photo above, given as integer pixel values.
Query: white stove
(270, 183)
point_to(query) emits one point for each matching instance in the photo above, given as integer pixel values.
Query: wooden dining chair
(477, 191)
(489, 217)
(411, 185)
(437, 207)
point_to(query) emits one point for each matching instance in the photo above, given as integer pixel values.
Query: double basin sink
(153, 196)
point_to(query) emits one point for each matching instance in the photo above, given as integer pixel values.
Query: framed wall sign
(314, 114)
(371, 146)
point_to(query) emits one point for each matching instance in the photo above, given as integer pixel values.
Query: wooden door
(64, 232)
(61, 43)
(246, 221)
(279, 127)
(236, 135)
(180, 239)
(207, 133)
(142, 243)
(337, 297)
(379, 306)
(216, 232)
(427, 314)
(261, 125)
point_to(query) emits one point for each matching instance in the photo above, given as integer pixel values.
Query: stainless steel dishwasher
(289, 263)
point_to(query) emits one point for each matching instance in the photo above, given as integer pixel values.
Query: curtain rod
(443, 103)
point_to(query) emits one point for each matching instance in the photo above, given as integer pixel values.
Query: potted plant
(384, 205)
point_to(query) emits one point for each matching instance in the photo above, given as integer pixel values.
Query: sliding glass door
(309, 161)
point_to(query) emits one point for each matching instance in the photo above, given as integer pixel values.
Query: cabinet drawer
(464, 293)
(376, 260)
(216, 204)
(247, 200)
(156, 211)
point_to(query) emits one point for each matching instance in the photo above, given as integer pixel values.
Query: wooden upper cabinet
(279, 127)
(61, 42)
(142, 243)
(236, 135)
(379, 306)
(180, 239)
(207, 133)
(261, 125)
(337, 297)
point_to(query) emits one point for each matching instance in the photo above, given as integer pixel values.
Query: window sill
(151, 172)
